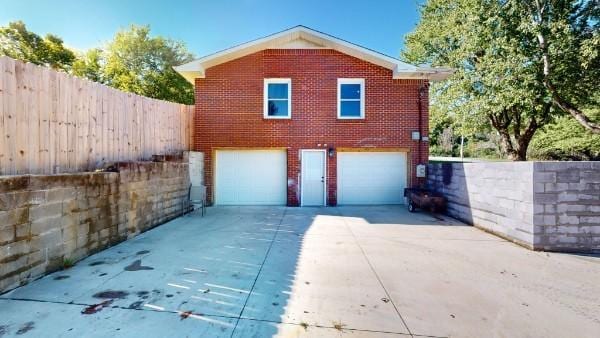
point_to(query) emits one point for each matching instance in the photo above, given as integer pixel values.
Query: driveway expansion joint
(262, 264)
(374, 271)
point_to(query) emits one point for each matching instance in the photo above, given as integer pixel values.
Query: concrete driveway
(314, 272)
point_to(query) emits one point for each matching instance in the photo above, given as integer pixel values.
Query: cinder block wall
(494, 196)
(552, 206)
(45, 219)
(567, 205)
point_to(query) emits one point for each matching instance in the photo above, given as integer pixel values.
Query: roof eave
(431, 74)
(196, 69)
(189, 73)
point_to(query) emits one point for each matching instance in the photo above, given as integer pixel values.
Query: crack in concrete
(260, 270)
(374, 272)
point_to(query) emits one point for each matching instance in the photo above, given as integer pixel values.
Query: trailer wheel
(411, 207)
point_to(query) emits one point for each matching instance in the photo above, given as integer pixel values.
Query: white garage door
(371, 177)
(251, 177)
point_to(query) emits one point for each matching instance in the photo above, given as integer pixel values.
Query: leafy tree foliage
(568, 37)
(501, 79)
(19, 43)
(133, 61)
(89, 65)
(136, 62)
(566, 139)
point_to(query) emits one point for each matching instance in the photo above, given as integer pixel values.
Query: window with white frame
(351, 99)
(278, 98)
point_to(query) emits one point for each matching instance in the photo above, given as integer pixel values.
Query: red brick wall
(229, 110)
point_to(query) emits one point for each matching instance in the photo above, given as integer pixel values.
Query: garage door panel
(251, 177)
(371, 177)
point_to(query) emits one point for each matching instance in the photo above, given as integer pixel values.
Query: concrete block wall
(552, 206)
(196, 161)
(45, 219)
(494, 196)
(567, 205)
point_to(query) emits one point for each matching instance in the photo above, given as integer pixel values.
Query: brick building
(303, 118)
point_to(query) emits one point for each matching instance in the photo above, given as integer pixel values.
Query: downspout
(419, 105)
(421, 93)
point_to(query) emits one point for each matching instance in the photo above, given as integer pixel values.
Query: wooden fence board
(10, 104)
(3, 143)
(51, 122)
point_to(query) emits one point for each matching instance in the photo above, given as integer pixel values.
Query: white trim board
(268, 81)
(310, 39)
(360, 82)
(324, 151)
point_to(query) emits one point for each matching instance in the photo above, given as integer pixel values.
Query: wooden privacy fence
(51, 122)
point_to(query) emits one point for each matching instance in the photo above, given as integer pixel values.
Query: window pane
(350, 91)
(278, 90)
(278, 108)
(350, 109)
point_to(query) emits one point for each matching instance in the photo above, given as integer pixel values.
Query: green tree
(19, 43)
(500, 81)
(136, 62)
(89, 65)
(568, 39)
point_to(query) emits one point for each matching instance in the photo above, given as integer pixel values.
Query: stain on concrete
(90, 310)
(3, 330)
(97, 263)
(143, 252)
(102, 274)
(61, 277)
(26, 328)
(137, 266)
(185, 314)
(111, 294)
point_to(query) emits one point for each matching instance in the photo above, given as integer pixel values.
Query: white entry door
(313, 177)
(251, 177)
(371, 177)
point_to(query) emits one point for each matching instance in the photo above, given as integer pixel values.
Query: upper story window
(351, 99)
(278, 98)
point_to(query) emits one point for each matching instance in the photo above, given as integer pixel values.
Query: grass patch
(67, 263)
(338, 326)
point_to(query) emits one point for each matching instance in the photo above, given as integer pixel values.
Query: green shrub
(565, 140)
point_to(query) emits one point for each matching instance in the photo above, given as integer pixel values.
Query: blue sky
(207, 26)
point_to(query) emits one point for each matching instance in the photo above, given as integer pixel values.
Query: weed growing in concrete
(67, 263)
(338, 325)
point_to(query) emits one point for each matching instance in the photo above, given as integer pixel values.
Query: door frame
(324, 151)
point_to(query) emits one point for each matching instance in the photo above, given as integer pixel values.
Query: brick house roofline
(301, 37)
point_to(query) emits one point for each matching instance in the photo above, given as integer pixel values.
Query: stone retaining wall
(552, 206)
(47, 219)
